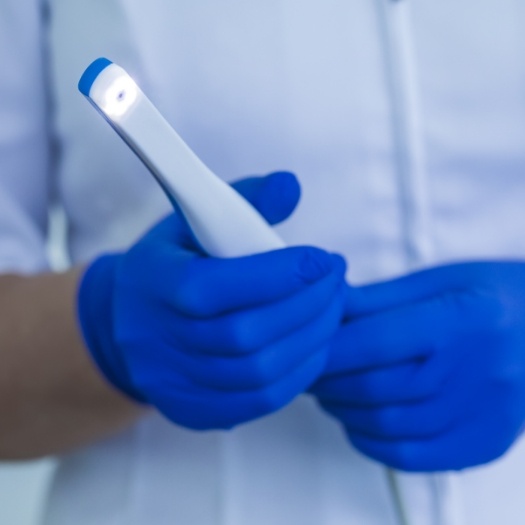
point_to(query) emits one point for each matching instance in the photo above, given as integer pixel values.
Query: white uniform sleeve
(24, 139)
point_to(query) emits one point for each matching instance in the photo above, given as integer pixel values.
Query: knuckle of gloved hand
(263, 371)
(369, 390)
(400, 455)
(193, 296)
(385, 422)
(268, 400)
(240, 334)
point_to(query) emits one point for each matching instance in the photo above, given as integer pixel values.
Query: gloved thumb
(275, 196)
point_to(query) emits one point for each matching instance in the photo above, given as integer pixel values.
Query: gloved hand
(428, 371)
(212, 343)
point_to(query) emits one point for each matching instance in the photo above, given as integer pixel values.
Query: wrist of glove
(213, 343)
(95, 303)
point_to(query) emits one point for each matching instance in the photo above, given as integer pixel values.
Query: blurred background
(23, 487)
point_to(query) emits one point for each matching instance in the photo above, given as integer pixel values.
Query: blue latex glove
(212, 343)
(428, 372)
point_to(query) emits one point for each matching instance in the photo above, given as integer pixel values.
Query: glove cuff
(95, 316)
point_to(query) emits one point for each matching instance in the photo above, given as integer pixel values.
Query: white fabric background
(23, 489)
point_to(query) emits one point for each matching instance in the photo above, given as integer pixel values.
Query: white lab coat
(405, 121)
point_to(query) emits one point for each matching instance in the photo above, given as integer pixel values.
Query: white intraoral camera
(223, 222)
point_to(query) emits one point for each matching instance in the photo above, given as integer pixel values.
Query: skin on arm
(49, 386)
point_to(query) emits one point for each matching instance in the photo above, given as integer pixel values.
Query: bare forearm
(51, 396)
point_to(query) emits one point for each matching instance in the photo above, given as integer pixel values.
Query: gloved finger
(250, 330)
(200, 408)
(418, 286)
(409, 381)
(385, 339)
(416, 331)
(418, 420)
(203, 287)
(274, 196)
(268, 366)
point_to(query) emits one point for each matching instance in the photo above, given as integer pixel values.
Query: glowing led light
(119, 97)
